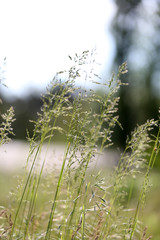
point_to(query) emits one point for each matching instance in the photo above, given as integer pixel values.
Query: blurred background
(37, 37)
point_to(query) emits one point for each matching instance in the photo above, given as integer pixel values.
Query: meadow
(77, 201)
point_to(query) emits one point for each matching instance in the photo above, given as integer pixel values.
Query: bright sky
(38, 35)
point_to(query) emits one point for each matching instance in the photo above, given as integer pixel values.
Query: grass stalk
(145, 183)
(47, 236)
(84, 205)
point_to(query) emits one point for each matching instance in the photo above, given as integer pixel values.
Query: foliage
(5, 126)
(134, 27)
(81, 205)
(7, 118)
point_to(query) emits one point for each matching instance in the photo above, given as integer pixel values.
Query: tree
(136, 29)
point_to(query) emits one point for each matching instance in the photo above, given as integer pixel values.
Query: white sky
(36, 37)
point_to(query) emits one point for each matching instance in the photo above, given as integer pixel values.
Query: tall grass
(81, 203)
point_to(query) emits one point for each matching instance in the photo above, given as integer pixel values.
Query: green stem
(150, 166)
(47, 236)
(24, 190)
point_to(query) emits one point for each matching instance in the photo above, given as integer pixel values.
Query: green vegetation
(140, 100)
(79, 202)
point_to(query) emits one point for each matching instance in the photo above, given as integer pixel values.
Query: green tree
(136, 28)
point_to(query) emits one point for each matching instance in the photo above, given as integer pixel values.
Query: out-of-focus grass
(8, 182)
(151, 217)
(152, 208)
(151, 213)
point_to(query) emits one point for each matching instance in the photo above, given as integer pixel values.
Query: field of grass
(77, 202)
(151, 214)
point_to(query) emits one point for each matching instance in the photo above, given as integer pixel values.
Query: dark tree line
(136, 29)
(25, 110)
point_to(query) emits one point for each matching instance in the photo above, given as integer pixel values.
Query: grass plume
(81, 203)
